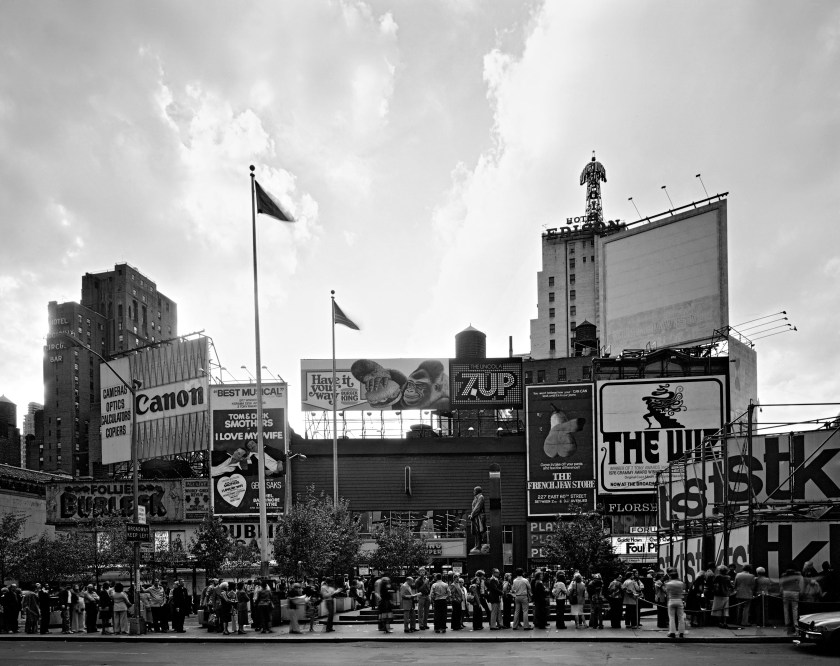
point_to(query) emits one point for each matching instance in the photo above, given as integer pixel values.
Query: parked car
(820, 628)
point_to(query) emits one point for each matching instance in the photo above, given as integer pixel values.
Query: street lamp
(132, 387)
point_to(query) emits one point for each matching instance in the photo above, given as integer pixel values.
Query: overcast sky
(423, 146)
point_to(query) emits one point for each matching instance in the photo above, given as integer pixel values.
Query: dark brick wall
(443, 472)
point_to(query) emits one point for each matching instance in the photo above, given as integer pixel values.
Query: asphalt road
(371, 654)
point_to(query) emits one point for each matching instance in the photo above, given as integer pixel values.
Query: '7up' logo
(485, 384)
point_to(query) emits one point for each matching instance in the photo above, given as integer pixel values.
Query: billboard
(643, 424)
(494, 383)
(70, 502)
(665, 282)
(170, 406)
(375, 384)
(784, 469)
(560, 449)
(234, 472)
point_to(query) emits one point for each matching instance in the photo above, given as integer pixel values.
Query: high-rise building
(567, 285)
(28, 433)
(9, 433)
(119, 310)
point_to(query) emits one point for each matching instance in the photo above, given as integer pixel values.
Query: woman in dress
(577, 596)
(474, 599)
(540, 602)
(121, 606)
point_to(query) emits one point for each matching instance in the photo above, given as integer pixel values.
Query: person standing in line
(791, 584)
(596, 601)
(473, 600)
(763, 586)
(77, 611)
(408, 602)
(180, 606)
(155, 600)
(615, 597)
(694, 601)
(456, 597)
(744, 593)
(540, 602)
(494, 596)
(722, 589)
(507, 601)
(660, 599)
(577, 597)
(32, 611)
(91, 600)
(44, 603)
(105, 606)
(242, 601)
(632, 592)
(65, 602)
(385, 606)
(521, 590)
(122, 604)
(328, 595)
(440, 602)
(675, 591)
(560, 594)
(262, 607)
(424, 587)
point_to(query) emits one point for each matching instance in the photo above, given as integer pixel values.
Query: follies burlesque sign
(644, 424)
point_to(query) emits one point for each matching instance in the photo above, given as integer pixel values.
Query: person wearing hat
(408, 602)
(478, 521)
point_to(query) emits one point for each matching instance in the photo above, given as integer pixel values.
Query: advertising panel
(494, 383)
(115, 411)
(645, 423)
(560, 449)
(797, 467)
(684, 555)
(635, 547)
(234, 471)
(73, 501)
(665, 283)
(375, 384)
(196, 499)
(170, 405)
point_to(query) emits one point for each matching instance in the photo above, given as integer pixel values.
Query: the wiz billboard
(643, 424)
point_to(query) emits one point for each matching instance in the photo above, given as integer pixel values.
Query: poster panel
(375, 384)
(560, 450)
(196, 499)
(645, 423)
(234, 471)
(799, 467)
(489, 383)
(115, 411)
(70, 502)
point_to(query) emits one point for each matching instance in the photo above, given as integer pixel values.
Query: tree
(55, 560)
(243, 561)
(211, 544)
(580, 543)
(397, 547)
(13, 547)
(316, 538)
(103, 546)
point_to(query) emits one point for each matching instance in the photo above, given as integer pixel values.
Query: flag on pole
(268, 206)
(340, 318)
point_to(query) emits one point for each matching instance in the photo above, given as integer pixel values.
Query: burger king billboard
(375, 384)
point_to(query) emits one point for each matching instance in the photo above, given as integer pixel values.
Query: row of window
(586, 373)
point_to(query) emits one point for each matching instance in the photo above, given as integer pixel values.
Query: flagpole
(260, 447)
(334, 409)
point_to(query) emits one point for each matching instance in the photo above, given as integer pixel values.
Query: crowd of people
(716, 596)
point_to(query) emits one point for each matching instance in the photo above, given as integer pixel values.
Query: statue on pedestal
(478, 523)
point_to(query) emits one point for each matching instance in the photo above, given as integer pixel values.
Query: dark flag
(340, 318)
(268, 206)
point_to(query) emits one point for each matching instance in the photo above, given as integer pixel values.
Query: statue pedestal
(484, 561)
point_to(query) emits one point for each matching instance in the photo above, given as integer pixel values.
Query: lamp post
(132, 389)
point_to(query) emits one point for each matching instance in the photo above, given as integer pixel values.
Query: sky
(423, 147)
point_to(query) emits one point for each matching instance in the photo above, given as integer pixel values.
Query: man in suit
(408, 603)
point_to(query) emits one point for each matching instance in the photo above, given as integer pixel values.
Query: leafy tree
(243, 561)
(13, 547)
(55, 560)
(211, 544)
(103, 546)
(315, 538)
(397, 548)
(580, 542)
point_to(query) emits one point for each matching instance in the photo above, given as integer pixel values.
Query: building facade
(9, 433)
(120, 310)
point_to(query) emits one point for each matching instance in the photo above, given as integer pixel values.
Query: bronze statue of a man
(478, 522)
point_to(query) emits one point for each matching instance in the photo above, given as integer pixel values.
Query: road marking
(77, 651)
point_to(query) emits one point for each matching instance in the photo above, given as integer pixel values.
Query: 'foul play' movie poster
(234, 473)
(561, 450)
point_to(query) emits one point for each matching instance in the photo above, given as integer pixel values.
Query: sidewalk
(369, 632)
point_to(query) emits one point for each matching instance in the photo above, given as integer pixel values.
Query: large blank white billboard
(665, 282)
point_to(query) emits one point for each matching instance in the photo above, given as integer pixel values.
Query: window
(584, 260)
(561, 374)
(551, 312)
(540, 376)
(529, 377)
(572, 310)
(572, 295)
(571, 248)
(572, 278)
(551, 346)
(551, 297)
(551, 329)
(571, 263)
(587, 372)
(592, 258)
(572, 325)
(551, 281)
